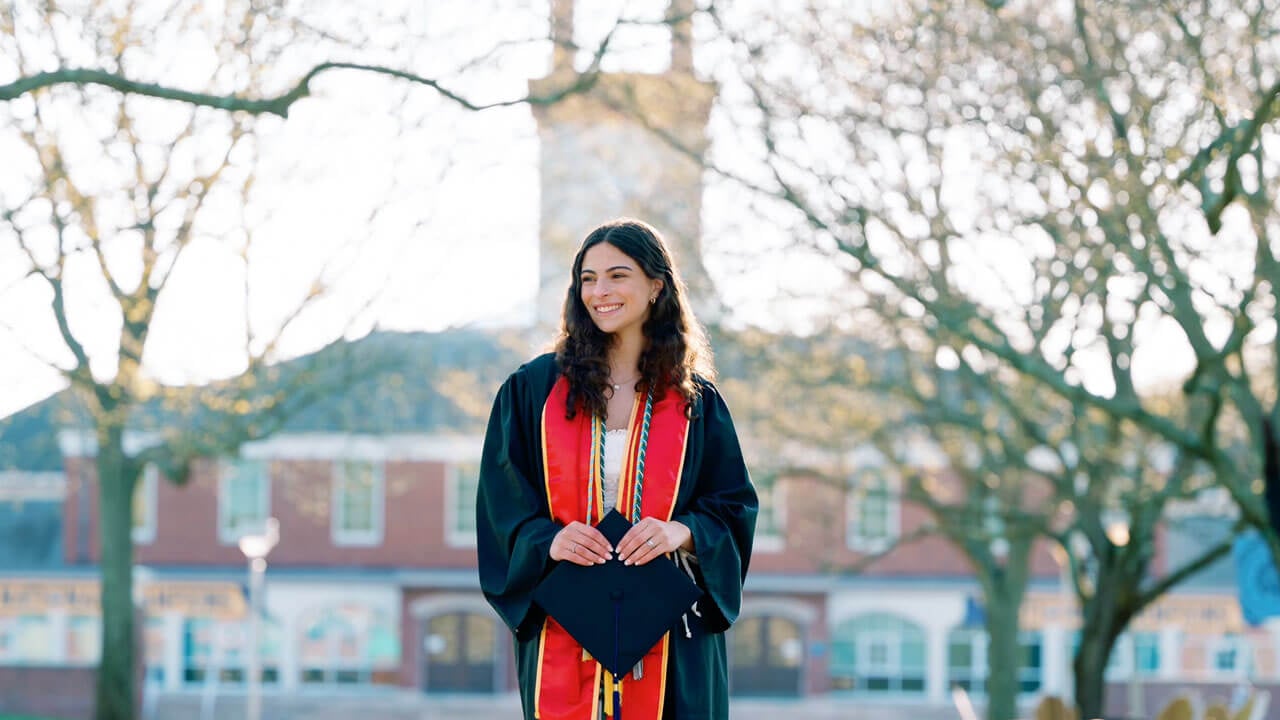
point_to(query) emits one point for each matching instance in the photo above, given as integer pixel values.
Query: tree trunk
(1090, 667)
(1003, 660)
(117, 476)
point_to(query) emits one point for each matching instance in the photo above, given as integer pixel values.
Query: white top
(615, 445)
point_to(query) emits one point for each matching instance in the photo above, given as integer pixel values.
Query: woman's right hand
(580, 544)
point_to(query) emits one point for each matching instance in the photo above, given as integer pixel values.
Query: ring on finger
(574, 549)
(650, 543)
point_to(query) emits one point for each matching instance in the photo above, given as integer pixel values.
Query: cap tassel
(614, 684)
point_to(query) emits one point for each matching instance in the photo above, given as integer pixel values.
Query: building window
(462, 483)
(1031, 666)
(347, 645)
(1228, 656)
(878, 653)
(873, 511)
(1134, 651)
(84, 640)
(967, 650)
(357, 512)
(153, 649)
(144, 505)
(25, 639)
(218, 649)
(244, 499)
(769, 522)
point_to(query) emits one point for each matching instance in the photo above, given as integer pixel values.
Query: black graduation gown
(514, 533)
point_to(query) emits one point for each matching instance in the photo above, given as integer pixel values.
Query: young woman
(630, 383)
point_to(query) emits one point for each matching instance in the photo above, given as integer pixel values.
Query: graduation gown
(715, 500)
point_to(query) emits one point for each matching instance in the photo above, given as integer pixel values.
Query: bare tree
(135, 137)
(1044, 193)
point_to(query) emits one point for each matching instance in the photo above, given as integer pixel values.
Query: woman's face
(615, 290)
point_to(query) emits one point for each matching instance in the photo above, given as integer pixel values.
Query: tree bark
(1090, 668)
(1003, 660)
(117, 476)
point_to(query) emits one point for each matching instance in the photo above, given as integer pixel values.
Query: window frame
(855, 538)
(894, 633)
(372, 537)
(454, 536)
(775, 498)
(978, 643)
(1237, 644)
(148, 484)
(226, 534)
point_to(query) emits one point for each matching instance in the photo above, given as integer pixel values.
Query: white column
(935, 682)
(290, 667)
(1056, 665)
(59, 629)
(173, 649)
(1170, 653)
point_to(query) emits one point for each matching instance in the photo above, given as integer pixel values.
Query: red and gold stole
(568, 680)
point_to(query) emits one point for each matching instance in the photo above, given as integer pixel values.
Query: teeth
(607, 308)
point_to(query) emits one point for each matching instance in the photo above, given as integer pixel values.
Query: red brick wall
(187, 519)
(815, 523)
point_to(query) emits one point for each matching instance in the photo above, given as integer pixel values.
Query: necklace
(618, 386)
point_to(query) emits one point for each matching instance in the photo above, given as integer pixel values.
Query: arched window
(878, 653)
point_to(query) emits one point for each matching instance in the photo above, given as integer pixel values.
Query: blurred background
(992, 288)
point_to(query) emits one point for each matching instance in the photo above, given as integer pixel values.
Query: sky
(416, 214)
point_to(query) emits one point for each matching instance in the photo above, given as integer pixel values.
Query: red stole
(567, 685)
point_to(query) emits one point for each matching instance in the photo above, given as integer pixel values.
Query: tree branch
(280, 104)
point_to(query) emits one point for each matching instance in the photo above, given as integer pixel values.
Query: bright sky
(402, 196)
(379, 187)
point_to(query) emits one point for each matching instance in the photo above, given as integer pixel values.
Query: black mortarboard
(617, 612)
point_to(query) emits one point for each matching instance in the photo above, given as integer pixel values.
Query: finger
(588, 541)
(645, 553)
(647, 549)
(582, 555)
(597, 539)
(635, 537)
(591, 546)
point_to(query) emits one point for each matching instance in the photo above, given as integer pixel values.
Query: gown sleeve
(514, 529)
(721, 514)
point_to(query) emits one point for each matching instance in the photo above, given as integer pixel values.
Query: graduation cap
(617, 612)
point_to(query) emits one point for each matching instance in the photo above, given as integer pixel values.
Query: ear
(657, 284)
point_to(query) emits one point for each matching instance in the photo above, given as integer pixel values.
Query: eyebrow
(611, 269)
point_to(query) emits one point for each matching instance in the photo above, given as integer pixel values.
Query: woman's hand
(580, 544)
(652, 537)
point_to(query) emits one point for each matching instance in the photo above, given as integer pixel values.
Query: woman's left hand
(652, 537)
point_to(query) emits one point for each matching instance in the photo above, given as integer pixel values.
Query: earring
(653, 299)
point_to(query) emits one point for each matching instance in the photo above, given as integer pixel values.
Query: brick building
(373, 583)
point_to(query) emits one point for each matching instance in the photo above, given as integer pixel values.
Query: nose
(600, 289)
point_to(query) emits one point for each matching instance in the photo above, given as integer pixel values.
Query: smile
(606, 309)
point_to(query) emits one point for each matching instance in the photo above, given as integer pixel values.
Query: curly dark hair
(677, 348)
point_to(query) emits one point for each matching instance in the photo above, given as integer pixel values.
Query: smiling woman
(625, 409)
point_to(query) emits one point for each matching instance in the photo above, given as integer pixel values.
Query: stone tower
(603, 157)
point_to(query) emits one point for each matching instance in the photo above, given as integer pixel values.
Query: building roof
(386, 382)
